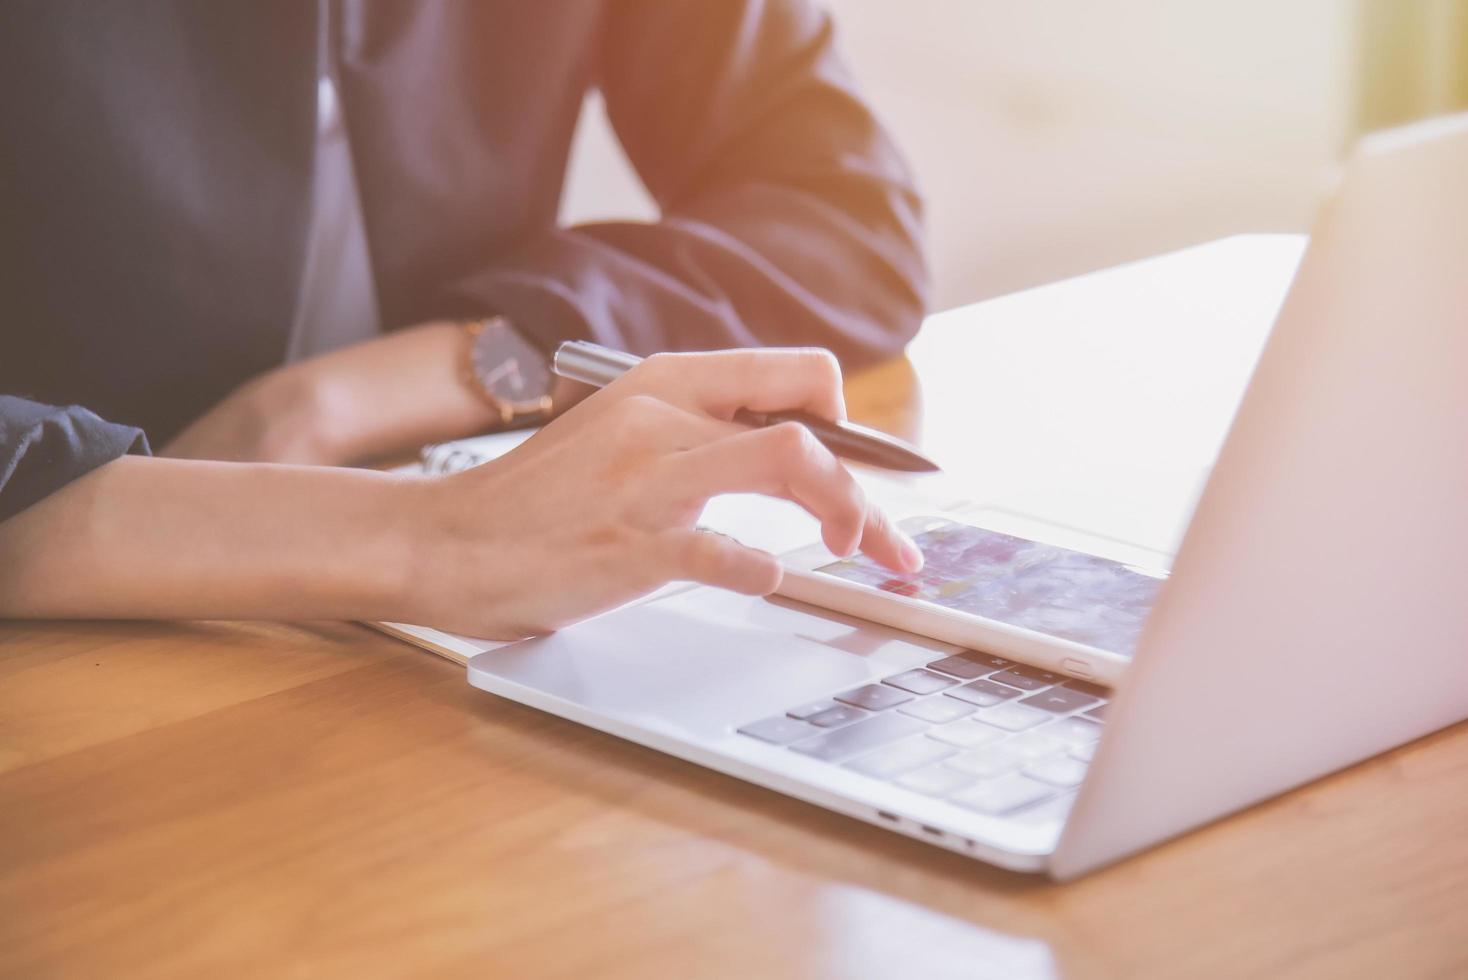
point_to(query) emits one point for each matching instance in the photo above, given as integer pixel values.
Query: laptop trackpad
(698, 662)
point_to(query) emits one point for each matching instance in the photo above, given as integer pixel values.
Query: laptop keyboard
(997, 737)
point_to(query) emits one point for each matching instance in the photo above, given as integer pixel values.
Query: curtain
(1412, 61)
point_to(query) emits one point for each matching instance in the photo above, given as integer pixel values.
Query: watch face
(509, 367)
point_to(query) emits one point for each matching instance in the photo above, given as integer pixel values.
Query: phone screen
(1040, 587)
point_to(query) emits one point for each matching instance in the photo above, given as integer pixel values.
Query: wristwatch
(510, 374)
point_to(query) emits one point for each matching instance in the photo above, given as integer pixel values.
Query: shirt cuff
(44, 447)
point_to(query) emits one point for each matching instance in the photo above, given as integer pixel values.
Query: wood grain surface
(318, 800)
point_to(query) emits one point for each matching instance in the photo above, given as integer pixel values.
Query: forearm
(398, 392)
(385, 397)
(178, 539)
(596, 510)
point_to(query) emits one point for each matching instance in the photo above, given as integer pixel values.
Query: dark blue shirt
(157, 162)
(43, 447)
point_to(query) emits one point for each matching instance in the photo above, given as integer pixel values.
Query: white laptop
(1315, 614)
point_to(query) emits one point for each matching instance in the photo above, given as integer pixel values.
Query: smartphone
(1069, 611)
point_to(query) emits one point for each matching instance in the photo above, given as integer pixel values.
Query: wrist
(385, 571)
(388, 395)
(427, 537)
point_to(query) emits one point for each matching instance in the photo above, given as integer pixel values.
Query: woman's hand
(594, 511)
(599, 508)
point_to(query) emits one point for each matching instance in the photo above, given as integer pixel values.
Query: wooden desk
(321, 800)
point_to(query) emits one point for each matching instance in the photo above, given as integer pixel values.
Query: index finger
(720, 383)
(785, 461)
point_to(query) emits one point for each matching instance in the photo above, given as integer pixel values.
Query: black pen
(593, 364)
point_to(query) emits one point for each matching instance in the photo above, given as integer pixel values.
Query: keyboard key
(938, 710)
(843, 743)
(966, 733)
(1098, 713)
(1086, 687)
(1004, 795)
(779, 730)
(1015, 678)
(1057, 808)
(920, 681)
(875, 697)
(1032, 745)
(982, 763)
(1077, 731)
(988, 659)
(804, 711)
(1085, 752)
(1012, 717)
(984, 693)
(837, 715)
(901, 757)
(1059, 700)
(961, 667)
(1057, 771)
(1038, 674)
(937, 780)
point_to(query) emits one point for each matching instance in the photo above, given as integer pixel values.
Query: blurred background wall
(1058, 136)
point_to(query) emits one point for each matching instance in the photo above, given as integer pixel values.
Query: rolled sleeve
(787, 214)
(44, 447)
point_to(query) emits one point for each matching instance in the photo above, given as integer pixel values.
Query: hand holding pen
(593, 364)
(603, 504)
